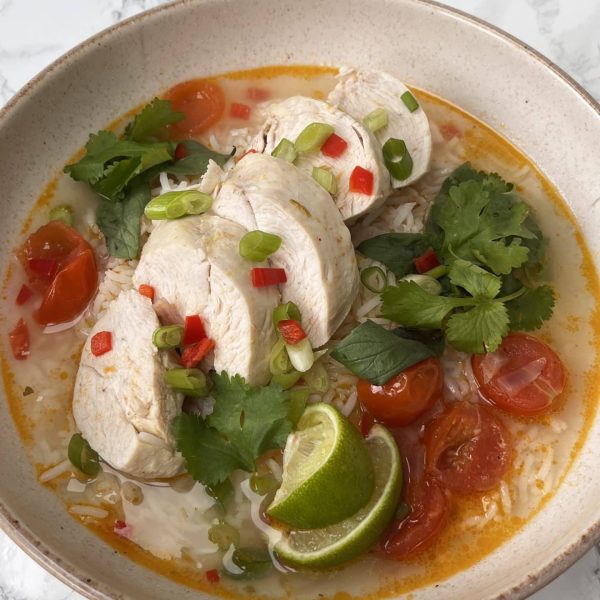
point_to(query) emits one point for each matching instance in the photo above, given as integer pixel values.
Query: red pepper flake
(24, 294)
(291, 331)
(449, 131)
(263, 277)
(426, 262)
(334, 146)
(121, 528)
(361, 181)
(101, 343)
(46, 267)
(213, 576)
(239, 111)
(147, 291)
(19, 340)
(258, 94)
(180, 151)
(193, 354)
(193, 330)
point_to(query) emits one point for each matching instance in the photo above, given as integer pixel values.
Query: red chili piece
(426, 262)
(180, 151)
(147, 290)
(24, 294)
(193, 330)
(262, 277)
(291, 331)
(101, 343)
(19, 340)
(258, 94)
(239, 111)
(193, 354)
(334, 146)
(361, 181)
(213, 576)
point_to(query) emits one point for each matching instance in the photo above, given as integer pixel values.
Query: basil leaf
(376, 354)
(196, 160)
(433, 339)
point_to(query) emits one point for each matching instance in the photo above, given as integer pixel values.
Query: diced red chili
(147, 290)
(44, 267)
(213, 576)
(262, 277)
(193, 330)
(239, 111)
(101, 343)
(193, 354)
(180, 151)
(19, 340)
(120, 524)
(449, 131)
(121, 528)
(334, 146)
(291, 331)
(361, 181)
(258, 94)
(24, 294)
(426, 261)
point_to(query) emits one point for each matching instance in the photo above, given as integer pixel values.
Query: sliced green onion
(263, 484)
(437, 272)
(409, 101)
(224, 535)
(174, 205)
(376, 120)
(287, 380)
(257, 245)
(325, 178)
(167, 337)
(63, 213)
(247, 563)
(83, 456)
(301, 355)
(285, 312)
(429, 284)
(316, 378)
(397, 159)
(374, 279)
(190, 382)
(279, 361)
(298, 398)
(312, 137)
(285, 150)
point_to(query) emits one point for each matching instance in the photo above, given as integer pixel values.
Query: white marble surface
(35, 32)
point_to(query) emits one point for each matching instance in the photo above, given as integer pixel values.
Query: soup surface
(173, 525)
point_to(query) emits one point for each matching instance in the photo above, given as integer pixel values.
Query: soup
(454, 505)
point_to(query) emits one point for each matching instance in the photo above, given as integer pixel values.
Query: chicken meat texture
(195, 267)
(288, 118)
(361, 92)
(316, 251)
(121, 403)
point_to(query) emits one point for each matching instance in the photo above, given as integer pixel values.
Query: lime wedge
(327, 471)
(336, 544)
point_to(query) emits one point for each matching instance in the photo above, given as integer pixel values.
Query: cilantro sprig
(245, 423)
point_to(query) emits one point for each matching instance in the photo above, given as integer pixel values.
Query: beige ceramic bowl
(479, 68)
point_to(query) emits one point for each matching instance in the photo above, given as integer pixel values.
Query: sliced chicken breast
(316, 252)
(121, 404)
(195, 267)
(288, 118)
(361, 92)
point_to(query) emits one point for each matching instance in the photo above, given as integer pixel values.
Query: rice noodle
(55, 471)
(83, 510)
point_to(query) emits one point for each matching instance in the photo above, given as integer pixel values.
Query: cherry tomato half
(524, 376)
(404, 397)
(467, 448)
(73, 279)
(201, 101)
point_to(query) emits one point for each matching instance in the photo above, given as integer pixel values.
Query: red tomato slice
(429, 508)
(19, 340)
(406, 396)
(524, 376)
(201, 101)
(467, 448)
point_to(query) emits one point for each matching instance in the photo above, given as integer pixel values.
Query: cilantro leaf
(530, 310)
(151, 120)
(474, 279)
(478, 329)
(501, 258)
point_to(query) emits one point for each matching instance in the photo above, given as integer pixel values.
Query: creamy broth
(125, 514)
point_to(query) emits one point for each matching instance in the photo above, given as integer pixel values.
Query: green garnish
(312, 137)
(263, 484)
(258, 245)
(82, 456)
(223, 535)
(173, 205)
(298, 399)
(285, 150)
(374, 279)
(397, 159)
(167, 337)
(189, 382)
(409, 101)
(325, 178)
(285, 312)
(316, 378)
(376, 120)
(248, 563)
(430, 284)
(63, 213)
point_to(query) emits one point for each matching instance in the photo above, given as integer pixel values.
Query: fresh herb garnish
(245, 423)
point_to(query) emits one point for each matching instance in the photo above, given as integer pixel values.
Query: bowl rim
(83, 583)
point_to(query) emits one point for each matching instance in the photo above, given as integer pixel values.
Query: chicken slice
(121, 403)
(288, 118)
(361, 92)
(194, 266)
(316, 252)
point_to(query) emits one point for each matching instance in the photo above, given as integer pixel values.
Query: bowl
(483, 70)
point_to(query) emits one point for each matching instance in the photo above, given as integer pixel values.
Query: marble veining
(564, 30)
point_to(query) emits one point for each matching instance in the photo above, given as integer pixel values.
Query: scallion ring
(376, 120)
(312, 137)
(279, 362)
(285, 312)
(285, 150)
(258, 245)
(287, 380)
(301, 355)
(317, 379)
(173, 205)
(83, 456)
(167, 337)
(190, 382)
(374, 279)
(409, 101)
(62, 213)
(397, 159)
(325, 178)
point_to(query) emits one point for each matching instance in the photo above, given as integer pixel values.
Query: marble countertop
(35, 32)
